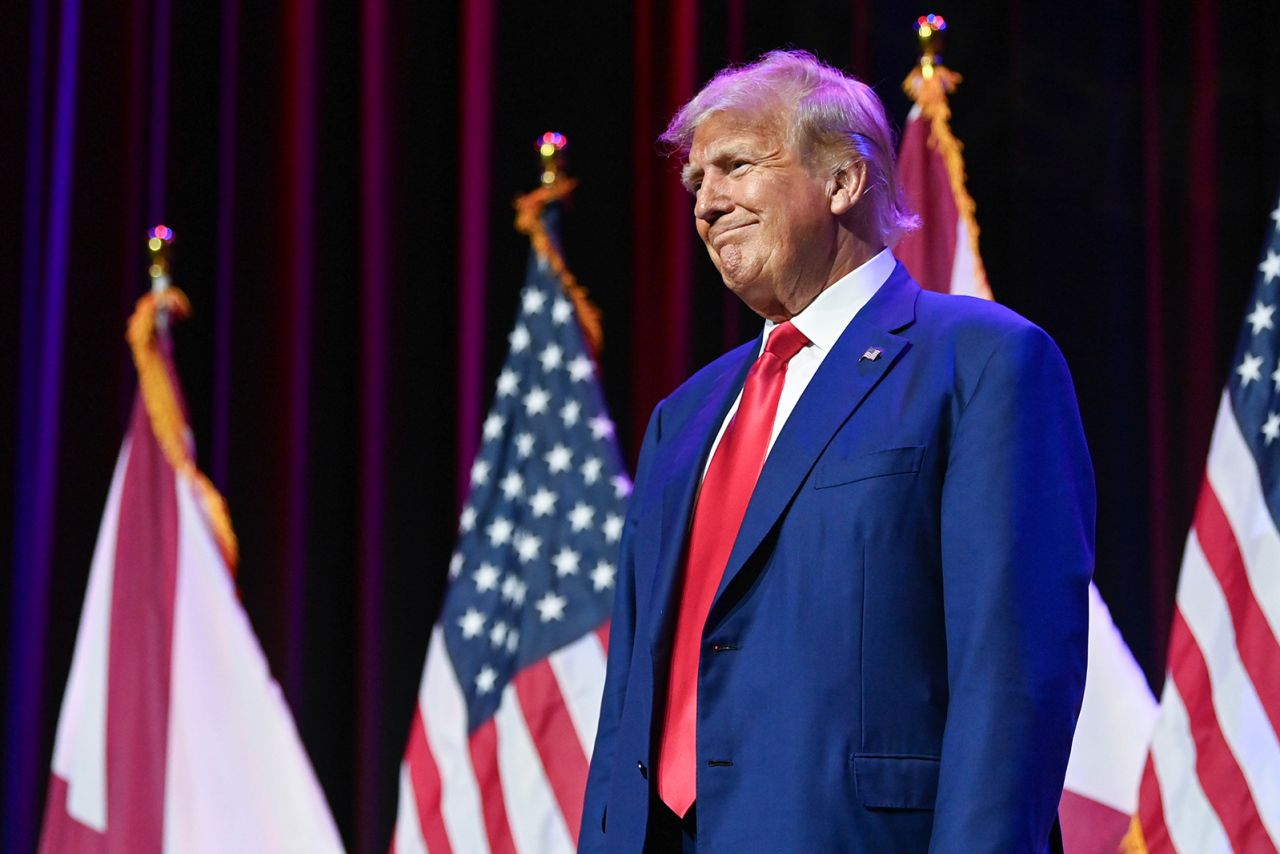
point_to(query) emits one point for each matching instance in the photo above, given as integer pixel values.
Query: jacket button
(644, 772)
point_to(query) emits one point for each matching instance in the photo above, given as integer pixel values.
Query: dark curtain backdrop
(340, 178)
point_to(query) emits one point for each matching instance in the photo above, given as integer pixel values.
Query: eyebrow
(732, 148)
(690, 175)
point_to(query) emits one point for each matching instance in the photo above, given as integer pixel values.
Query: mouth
(717, 234)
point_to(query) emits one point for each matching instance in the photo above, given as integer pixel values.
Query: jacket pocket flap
(896, 782)
(876, 464)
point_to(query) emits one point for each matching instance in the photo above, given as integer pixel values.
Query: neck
(849, 255)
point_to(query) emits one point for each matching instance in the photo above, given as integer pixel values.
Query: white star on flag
(1270, 268)
(534, 300)
(601, 427)
(558, 459)
(1250, 369)
(467, 520)
(511, 485)
(524, 445)
(455, 565)
(486, 578)
(513, 641)
(621, 485)
(479, 473)
(1275, 216)
(580, 368)
(519, 338)
(591, 470)
(527, 546)
(569, 413)
(513, 590)
(1260, 317)
(560, 310)
(602, 575)
(493, 426)
(498, 634)
(1271, 429)
(535, 402)
(472, 623)
(566, 562)
(612, 527)
(1275, 377)
(551, 607)
(551, 357)
(499, 532)
(580, 516)
(508, 383)
(542, 502)
(485, 680)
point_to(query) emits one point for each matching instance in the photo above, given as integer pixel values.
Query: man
(852, 603)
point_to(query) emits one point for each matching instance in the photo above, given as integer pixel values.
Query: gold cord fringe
(930, 92)
(163, 408)
(529, 221)
(1134, 842)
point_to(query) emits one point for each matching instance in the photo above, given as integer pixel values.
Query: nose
(712, 199)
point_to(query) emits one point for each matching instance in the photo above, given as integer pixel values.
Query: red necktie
(721, 504)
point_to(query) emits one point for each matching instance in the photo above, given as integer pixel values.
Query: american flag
(1212, 780)
(500, 742)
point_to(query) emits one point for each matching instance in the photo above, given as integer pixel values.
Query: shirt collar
(823, 320)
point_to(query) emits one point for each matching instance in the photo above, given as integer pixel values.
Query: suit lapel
(834, 393)
(692, 441)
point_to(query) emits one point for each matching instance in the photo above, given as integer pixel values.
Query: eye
(738, 165)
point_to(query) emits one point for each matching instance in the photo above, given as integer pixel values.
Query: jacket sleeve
(1017, 530)
(622, 628)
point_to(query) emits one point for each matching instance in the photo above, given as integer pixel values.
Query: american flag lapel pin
(872, 354)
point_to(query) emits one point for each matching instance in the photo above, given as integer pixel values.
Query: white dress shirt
(822, 322)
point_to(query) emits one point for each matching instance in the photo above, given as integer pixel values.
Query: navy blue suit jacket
(895, 657)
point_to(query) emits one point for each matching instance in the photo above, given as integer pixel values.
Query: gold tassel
(165, 412)
(929, 89)
(529, 221)
(1134, 842)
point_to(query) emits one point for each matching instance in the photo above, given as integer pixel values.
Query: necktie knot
(785, 341)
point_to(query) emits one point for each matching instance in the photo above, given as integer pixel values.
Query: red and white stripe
(1110, 746)
(1213, 779)
(516, 783)
(173, 736)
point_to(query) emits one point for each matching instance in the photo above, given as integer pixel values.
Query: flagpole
(159, 239)
(931, 33)
(928, 85)
(557, 186)
(551, 147)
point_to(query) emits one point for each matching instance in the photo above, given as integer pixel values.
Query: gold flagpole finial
(556, 186)
(550, 147)
(159, 239)
(930, 31)
(147, 336)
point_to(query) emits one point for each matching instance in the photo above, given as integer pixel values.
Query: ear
(847, 187)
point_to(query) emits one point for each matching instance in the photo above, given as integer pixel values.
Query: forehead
(726, 132)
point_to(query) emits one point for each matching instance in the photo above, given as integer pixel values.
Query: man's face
(766, 221)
